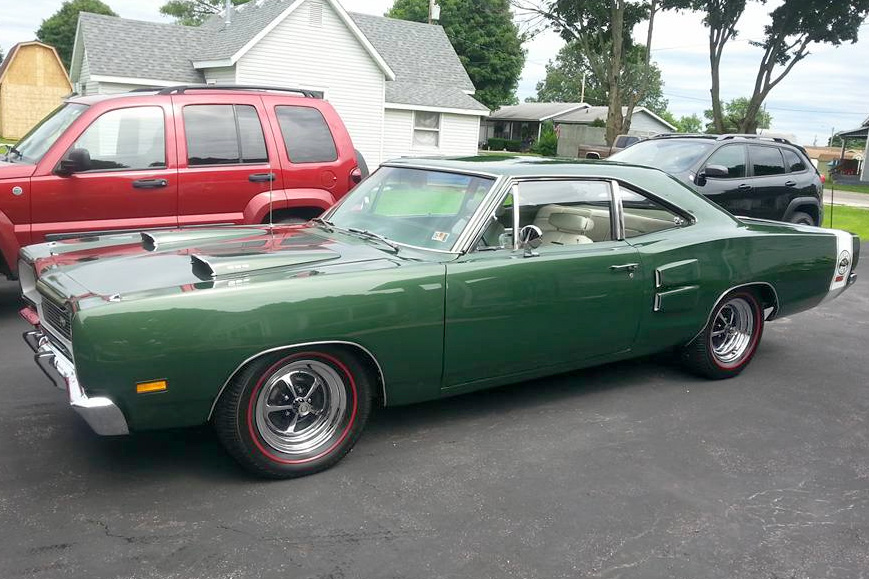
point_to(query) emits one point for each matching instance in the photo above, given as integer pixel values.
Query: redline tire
(294, 414)
(730, 339)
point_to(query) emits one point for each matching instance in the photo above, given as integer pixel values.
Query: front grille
(57, 317)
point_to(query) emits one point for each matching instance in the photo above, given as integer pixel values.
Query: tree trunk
(614, 115)
(715, 90)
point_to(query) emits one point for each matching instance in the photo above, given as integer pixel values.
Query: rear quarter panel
(196, 339)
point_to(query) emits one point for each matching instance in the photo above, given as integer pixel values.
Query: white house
(399, 86)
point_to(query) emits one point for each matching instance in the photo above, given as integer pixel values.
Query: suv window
(133, 138)
(223, 135)
(793, 161)
(306, 135)
(732, 157)
(766, 161)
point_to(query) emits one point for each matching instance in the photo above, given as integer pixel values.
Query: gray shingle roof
(428, 71)
(133, 48)
(535, 111)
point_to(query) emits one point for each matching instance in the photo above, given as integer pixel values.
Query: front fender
(8, 246)
(258, 208)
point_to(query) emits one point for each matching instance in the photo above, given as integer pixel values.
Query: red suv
(180, 156)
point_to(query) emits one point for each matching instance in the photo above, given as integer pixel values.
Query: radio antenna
(271, 178)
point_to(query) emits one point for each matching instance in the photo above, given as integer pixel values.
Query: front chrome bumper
(103, 416)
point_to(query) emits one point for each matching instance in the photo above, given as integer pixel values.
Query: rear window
(306, 135)
(793, 161)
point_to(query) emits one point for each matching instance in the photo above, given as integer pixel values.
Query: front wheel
(294, 415)
(730, 339)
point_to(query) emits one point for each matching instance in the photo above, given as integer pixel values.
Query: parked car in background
(763, 177)
(603, 151)
(178, 156)
(432, 278)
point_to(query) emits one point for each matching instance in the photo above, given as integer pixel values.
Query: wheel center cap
(304, 408)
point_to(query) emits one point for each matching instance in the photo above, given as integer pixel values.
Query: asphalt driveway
(629, 470)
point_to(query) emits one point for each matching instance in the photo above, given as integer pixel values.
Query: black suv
(750, 175)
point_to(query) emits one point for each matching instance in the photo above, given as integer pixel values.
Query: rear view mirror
(76, 161)
(592, 155)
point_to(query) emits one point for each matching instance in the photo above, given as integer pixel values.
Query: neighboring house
(33, 82)
(524, 122)
(398, 85)
(861, 132)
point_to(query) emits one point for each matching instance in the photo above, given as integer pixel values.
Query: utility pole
(434, 11)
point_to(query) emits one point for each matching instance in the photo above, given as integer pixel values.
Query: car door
(771, 190)
(575, 298)
(129, 180)
(224, 158)
(733, 192)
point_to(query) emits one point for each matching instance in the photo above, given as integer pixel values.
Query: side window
(567, 212)
(643, 215)
(731, 157)
(133, 138)
(426, 129)
(223, 135)
(793, 161)
(306, 135)
(766, 161)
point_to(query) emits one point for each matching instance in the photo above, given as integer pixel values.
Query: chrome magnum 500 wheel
(730, 339)
(296, 414)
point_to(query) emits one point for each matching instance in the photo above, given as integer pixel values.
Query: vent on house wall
(315, 14)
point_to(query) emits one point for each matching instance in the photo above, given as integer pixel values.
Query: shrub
(547, 145)
(499, 144)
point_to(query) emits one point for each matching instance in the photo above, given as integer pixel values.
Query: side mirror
(530, 238)
(76, 161)
(592, 155)
(715, 172)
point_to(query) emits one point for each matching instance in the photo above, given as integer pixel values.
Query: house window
(426, 130)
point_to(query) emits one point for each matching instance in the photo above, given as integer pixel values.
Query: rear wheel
(802, 218)
(730, 339)
(294, 415)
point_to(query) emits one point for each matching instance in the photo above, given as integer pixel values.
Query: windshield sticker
(440, 236)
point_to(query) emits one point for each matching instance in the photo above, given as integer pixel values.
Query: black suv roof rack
(182, 88)
(758, 137)
(682, 135)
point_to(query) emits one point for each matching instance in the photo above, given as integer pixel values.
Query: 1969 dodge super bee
(432, 278)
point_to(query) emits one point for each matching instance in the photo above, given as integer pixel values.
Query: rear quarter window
(306, 135)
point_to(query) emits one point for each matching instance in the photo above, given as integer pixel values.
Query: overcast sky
(826, 92)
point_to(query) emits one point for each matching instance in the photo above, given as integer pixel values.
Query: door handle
(261, 177)
(150, 183)
(744, 187)
(790, 183)
(631, 267)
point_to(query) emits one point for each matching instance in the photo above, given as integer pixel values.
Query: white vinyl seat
(568, 227)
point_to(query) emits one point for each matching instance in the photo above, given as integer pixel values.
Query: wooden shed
(33, 82)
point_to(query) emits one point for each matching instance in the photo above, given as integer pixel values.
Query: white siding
(225, 75)
(299, 53)
(458, 135)
(114, 87)
(85, 85)
(642, 122)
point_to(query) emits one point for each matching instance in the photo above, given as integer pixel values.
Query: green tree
(59, 29)
(547, 145)
(2, 56)
(485, 38)
(684, 124)
(734, 114)
(565, 75)
(194, 12)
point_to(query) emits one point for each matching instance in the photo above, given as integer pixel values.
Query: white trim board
(468, 112)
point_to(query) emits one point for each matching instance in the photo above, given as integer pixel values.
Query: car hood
(16, 170)
(133, 266)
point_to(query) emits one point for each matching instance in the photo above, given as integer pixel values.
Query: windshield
(36, 143)
(672, 156)
(422, 208)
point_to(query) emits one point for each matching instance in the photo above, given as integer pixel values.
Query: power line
(772, 108)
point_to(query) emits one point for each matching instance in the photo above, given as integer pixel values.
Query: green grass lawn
(848, 218)
(849, 188)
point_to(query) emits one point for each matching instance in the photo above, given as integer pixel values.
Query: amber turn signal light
(155, 386)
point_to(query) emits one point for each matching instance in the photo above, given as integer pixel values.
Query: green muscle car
(432, 278)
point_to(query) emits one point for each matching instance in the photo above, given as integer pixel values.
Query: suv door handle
(261, 177)
(625, 267)
(790, 183)
(744, 187)
(150, 183)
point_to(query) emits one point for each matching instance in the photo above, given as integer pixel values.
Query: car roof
(196, 90)
(519, 166)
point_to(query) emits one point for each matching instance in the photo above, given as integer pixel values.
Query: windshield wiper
(372, 235)
(324, 222)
